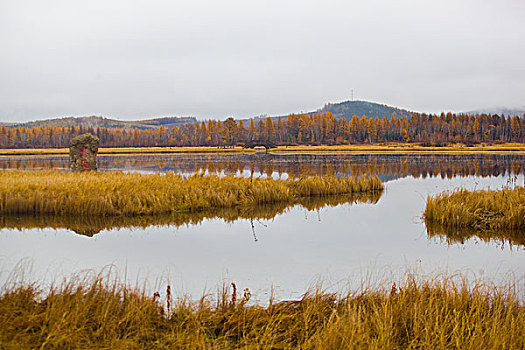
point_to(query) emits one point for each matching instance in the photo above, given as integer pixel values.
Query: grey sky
(213, 59)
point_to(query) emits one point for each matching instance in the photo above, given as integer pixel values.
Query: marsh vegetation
(294, 244)
(117, 193)
(430, 314)
(483, 210)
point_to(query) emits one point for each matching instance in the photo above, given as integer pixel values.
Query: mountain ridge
(345, 109)
(102, 122)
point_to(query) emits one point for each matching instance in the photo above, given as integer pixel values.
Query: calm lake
(287, 250)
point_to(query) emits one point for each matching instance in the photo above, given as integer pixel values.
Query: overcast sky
(213, 59)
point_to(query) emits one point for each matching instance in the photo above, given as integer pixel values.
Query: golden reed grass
(406, 148)
(480, 210)
(446, 313)
(394, 147)
(117, 193)
(125, 150)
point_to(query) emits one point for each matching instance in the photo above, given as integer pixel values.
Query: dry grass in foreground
(414, 315)
(480, 210)
(117, 193)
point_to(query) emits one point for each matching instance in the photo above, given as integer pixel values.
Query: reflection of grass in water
(461, 235)
(116, 193)
(97, 313)
(485, 210)
(90, 225)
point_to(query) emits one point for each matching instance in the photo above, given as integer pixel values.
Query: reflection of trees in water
(89, 226)
(385, 165)
(34, 162)
(455, 235)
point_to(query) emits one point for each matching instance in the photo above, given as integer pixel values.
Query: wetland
(284, 247)
(254, 243)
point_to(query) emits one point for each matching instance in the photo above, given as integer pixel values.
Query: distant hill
(101, 122)
(166, 121)
(347, 109)
(500, 110)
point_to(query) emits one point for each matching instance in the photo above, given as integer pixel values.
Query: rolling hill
(96, 122)
(347, 109)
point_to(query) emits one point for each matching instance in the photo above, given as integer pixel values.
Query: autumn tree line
(296, 129)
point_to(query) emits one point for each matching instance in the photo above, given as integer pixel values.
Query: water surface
(387, 166)
(288, 249)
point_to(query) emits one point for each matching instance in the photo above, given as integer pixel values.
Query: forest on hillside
(296, 129)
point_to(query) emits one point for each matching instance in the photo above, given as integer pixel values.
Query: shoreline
(513, 148)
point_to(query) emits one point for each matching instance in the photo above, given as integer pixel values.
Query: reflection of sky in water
(337, 245)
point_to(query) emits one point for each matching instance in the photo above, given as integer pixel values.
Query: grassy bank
(391, 147)
(405, 148)
(479, 210)
(116, 193)
(410, 315)
(123, 150)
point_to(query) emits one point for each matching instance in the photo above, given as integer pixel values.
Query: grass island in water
(117, 193)
(482, 210)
